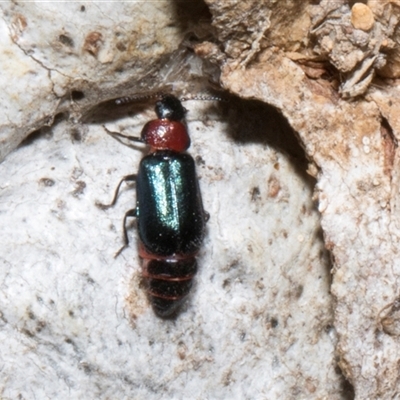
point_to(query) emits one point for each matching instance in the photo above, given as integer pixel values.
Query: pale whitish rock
(66, 57)
(75, 321)
(358, 183)
(359, 227)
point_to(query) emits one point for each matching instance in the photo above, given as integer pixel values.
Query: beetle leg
(128, 214)
(132, 138)
(126, 178)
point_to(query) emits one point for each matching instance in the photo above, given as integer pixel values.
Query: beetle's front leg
(117, 134)
(126, 178)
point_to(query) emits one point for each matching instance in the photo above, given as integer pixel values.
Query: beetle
(169, 210)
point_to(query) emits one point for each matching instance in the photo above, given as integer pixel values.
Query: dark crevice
(32, 137)
(257, 122)
(77, 95)
(44, 132)
(66, 40)
(388, 129)
(389, 144)
(346, 390)
(352, 2)
(194, 17)
(109, 110)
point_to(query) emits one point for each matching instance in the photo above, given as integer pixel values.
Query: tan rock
(362, 17)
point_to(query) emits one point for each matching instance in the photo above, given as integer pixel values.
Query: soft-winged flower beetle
(169, 209)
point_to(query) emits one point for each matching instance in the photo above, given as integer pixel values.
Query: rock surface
(352, 146)
(261, 322)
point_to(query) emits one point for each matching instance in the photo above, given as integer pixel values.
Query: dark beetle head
(170, 107)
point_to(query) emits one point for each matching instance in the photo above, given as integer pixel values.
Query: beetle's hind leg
(129, 214)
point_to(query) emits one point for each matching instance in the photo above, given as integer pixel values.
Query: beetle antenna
(209, 98)
(131, 99)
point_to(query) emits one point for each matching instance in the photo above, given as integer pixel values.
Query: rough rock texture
(352, 145)
(66, 60)
(259, 323)
(75, 322)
